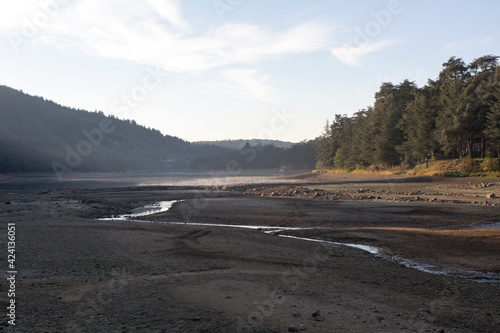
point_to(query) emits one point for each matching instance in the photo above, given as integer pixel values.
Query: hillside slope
(40, 135)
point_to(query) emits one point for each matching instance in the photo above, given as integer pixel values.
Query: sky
(231, 69)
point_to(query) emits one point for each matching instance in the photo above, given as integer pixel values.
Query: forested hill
(37, 135)
(241, 143)
(40, 135)
(456, 115)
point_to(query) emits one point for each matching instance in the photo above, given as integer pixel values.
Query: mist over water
(36, 183)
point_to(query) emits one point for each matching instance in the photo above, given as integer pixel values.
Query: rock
(491, 196)
(293, 328)
(8, 203)
(302, 327)
(316, 313)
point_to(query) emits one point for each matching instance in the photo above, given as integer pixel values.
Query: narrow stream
(164, 206)
(155, 208)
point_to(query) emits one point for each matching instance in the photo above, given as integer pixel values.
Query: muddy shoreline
(77, 274)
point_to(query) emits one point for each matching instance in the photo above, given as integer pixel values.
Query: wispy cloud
(169, 11)
(158, 34)
(470, 42)
(352, 55)
(251, 83)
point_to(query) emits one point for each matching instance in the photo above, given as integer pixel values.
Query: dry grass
(446, 168)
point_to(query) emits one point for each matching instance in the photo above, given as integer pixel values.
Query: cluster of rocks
(469, 186)
(353, 194)
(315, 316)
(484, 185)
(289, 191)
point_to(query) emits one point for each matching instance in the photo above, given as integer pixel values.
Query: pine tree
(418, 124)
(390, 105)
(493, 117)
(451, 84)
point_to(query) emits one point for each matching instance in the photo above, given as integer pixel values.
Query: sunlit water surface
(37, 183)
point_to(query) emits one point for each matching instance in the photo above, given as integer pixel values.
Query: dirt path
(76, 274)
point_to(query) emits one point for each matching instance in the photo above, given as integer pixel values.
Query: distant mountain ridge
(240, 143)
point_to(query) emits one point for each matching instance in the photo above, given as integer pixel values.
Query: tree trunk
(471, 147)
(483, 147)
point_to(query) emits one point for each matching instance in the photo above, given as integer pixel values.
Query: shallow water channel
(164, 206)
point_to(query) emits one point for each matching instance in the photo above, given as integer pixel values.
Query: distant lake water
(36, 183)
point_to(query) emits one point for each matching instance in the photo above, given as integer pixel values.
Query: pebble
(293, 328)
(491, 196)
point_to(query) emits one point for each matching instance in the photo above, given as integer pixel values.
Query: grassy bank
(464, 167)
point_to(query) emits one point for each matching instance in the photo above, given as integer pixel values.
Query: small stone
(293, 328)
(316, 313)
(491, 196)
(302, 327)
(8, 203)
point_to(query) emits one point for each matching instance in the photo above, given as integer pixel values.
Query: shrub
(490, 164)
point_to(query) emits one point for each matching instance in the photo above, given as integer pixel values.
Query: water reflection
(36, 183)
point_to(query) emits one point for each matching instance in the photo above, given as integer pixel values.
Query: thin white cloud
(352, 55)
(170, 11)
(16, 13)
(157, 34)
(251, 83)
(471, 42)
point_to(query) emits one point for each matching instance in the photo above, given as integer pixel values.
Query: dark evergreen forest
(454, 116)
